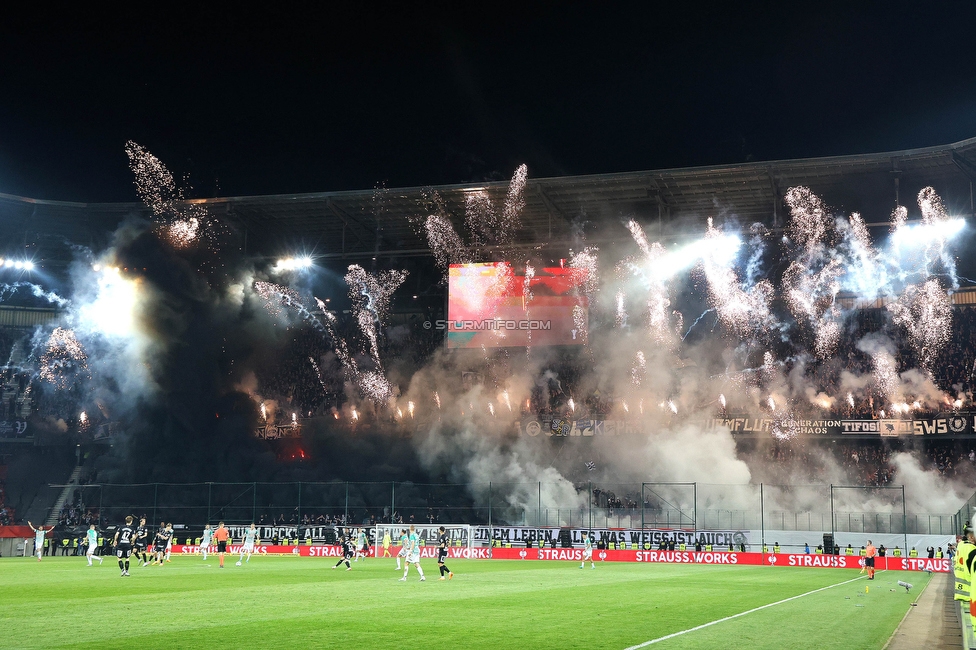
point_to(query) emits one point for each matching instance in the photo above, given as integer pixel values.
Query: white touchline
(729, 618)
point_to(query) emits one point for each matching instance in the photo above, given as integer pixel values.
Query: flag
(590, 466)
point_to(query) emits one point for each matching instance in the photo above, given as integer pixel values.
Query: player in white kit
(588, 552)
(404, 543)
(248, 547)
(413, 555)
(360, 545)
(39, 534)
(92, 537)
(205, 540)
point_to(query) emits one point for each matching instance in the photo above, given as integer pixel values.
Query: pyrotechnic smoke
(184, 359)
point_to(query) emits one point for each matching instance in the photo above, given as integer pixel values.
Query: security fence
(659, 505)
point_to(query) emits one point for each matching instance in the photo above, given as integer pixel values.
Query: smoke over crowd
(172, 336)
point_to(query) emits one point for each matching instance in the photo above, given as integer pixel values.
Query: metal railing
(689, 506)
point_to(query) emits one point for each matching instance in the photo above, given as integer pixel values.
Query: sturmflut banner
(943, 424)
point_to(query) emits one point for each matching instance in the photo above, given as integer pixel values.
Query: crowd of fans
(7, 515)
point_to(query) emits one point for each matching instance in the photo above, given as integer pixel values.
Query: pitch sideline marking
(729, 618)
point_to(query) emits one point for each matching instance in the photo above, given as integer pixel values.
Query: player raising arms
(205, 540)
(92, 537)
(221, 535)
(442, 544)
(123, 544)
(413, 555)
(404, 547)
(39, 534)
(588, 552)
(248, 546)
(142, 542)
(346, 546)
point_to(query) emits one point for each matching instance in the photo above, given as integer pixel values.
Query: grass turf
(301, 602)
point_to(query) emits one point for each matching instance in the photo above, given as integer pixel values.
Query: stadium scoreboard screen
(490, 305)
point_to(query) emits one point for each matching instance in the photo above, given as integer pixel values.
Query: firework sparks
(179, 222)
(584, 265)
(444, 242)
(506, 399)
(925, 312)
(410, 408)
(621, 315)
(885, 374)
(721, 400)
(637, 232)
(64, 359)
(437, 399)
(639, 369)
(811, 220)
(742, 310)
(580, 322)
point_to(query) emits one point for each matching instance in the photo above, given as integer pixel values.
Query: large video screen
(490, 305)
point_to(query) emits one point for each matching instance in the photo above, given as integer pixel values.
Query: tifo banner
(619, 537)
(14, 429)
(947, 424)
(576, 555)
(276, 431)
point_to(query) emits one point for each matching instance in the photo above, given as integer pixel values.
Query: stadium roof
(355, 224)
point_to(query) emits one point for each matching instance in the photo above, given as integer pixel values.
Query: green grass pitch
(302, 603)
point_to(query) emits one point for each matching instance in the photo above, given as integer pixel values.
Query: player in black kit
(346, 547)
(124, 537)
(159, 544)
(142, 542)
(442, 544)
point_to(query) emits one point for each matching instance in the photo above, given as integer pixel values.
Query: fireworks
(571, 404)
(410, 408)
(640, 368)
(925, 313)
(740, 309)
(810, 221)
(584, 265)
(579, 321)
(64, 359)
(885, 374)
(506, 400)
(621, 312)
(444, 242)
(638, 234)
(180, 223)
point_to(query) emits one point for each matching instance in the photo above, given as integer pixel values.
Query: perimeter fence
(688, 506)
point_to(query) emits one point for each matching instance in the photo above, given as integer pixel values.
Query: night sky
(260, 102)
